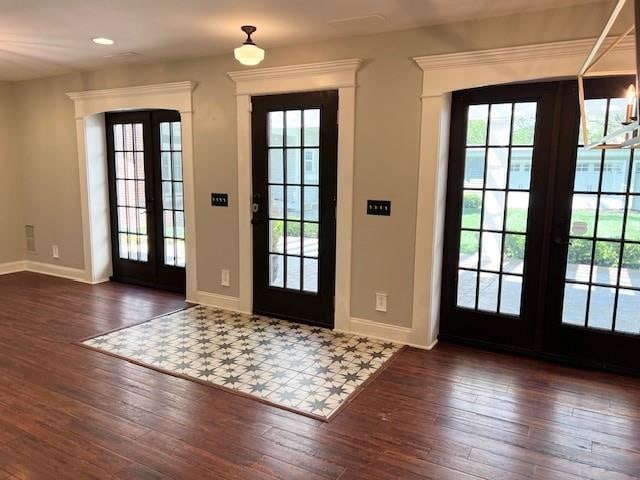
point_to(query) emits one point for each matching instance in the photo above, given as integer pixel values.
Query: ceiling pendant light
(249, 53)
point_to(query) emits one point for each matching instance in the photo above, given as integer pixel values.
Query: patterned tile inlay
(308, 369)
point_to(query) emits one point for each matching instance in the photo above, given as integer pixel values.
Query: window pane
(293, 238)
(524, 123)
(128, 137)
(497, 159)
(177, 165)
(169, 251)
(293, 203)
(276, 271)
(617, 115)
(491, 251)
(517, 211)
(276, 166)
(583, 215)
(310, 281)
(630, 272)
(587, 176)
(130, 165)
(169, 229)
(141, 197)
(474, 168)
(165, 165)
(477, 125)
(469, 245)
(118, 138)
(596, 110)
(627, 317)
(143, 248)
(120, 170)
(167, 195)
(133, 247)
(616, 170)
(493, 210)
(471, 206)
(293, 273)
(574, 308)
(579, 260)
(179, 224)
(511, 295)
(632, 231)
(601, 307)
(180, 253)
(276, 127)
(293, 165)
(276, 202)
(276, 236)
(466, 297)
(488, 298)
(165, 136)
(310, 248)
(312, 127)
(311, 166)
(513, 257)
(178, 196)
(311, 203)
(605, 263)
(500, 124)
(520, 170)
(176, 133)
(123, 245)
(611, 216)
(635, 173)
(294, 125)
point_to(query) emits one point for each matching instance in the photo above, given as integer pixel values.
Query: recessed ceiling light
(102, 41)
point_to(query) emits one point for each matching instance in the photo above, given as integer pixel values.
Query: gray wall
(387, 145)
(11, 225)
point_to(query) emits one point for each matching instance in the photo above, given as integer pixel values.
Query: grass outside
(609, 225)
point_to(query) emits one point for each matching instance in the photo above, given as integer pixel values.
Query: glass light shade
(249, 54)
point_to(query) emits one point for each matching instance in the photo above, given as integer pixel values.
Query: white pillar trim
(335, 75)
(443, 74)
(89, 108)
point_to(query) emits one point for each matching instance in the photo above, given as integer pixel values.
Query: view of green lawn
(609, 226)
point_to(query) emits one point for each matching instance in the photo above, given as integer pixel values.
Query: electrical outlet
(381, 302)
(224, 280)
(55, 252)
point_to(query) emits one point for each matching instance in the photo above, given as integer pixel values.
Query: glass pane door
(131, 197)
(294, 198)
(602, 280)
(495, 206)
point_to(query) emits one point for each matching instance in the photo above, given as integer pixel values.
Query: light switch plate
(55, 251)
(381, 302)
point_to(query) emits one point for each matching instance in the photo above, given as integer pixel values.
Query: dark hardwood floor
(452, 413)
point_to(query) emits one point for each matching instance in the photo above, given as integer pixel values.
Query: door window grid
(602, 282)
(133, 241)
(294, 199)
(497, 176)
(172, 194)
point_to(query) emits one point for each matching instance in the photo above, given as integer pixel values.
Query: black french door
(497, 181)
(542, 235)
(144, 158)
(294, 201)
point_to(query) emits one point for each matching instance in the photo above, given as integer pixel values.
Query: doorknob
(255, 206)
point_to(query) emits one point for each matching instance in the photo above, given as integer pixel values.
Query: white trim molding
(43, 268)
(335, 75)
(386, 332)
(443, 74)
(218, 301)
(90, 107)
(12, 267)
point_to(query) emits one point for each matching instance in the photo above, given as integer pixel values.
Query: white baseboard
(12, 267)
(386, 332)
(69, 273)
(216, 300)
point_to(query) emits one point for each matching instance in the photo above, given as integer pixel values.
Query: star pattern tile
(308, 369)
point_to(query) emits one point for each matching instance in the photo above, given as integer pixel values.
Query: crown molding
(348, 65)
(173, 87)
(516, 54)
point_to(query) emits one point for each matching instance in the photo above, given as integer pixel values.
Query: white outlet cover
(225, 281)
(55, 251)
(381, 302)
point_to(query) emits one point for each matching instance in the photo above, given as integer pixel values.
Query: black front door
(144, 151)
(294, 201)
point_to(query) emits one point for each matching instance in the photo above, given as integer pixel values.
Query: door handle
(560, 241)
(255, 209)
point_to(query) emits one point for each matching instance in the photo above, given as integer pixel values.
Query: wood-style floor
(452, 413)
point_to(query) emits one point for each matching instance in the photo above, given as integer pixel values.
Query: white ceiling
(48, 37)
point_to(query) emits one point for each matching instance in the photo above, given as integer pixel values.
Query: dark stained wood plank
(451, 413)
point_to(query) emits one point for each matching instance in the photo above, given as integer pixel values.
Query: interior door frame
(282, 302)
(495, 329)
(333, 75)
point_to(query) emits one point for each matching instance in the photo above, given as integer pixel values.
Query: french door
(542, 235)
(294, 201)
(144, 151)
